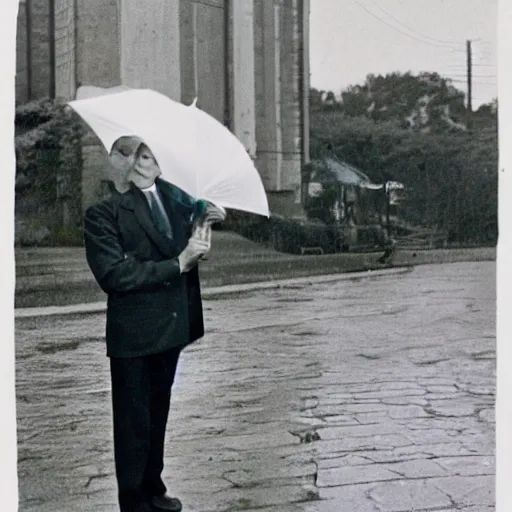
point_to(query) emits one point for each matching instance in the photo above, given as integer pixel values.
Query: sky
(350, 39)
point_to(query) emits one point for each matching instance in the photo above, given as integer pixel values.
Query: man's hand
(194, 251)
(214, 214)
(202, 229)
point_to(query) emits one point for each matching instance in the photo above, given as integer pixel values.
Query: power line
(459, 75)
(440, 41)
(461, 68)
(465, 82)
(475, 65)
(401, 31)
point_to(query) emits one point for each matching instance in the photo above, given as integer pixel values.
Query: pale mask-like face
(122, 160)
(145, 170)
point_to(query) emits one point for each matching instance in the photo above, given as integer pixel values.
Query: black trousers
(141, 394)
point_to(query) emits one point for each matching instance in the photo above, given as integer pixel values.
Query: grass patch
(233, 260)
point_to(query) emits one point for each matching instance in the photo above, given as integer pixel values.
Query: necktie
(159, 216)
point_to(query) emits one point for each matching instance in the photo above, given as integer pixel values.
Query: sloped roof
(330, 170)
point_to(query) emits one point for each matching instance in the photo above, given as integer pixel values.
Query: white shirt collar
(149, 189)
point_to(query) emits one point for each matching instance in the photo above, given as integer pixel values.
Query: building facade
(246, 61)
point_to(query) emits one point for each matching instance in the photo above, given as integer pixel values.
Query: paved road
(373, 395)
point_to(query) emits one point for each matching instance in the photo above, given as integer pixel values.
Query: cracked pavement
(367, 395)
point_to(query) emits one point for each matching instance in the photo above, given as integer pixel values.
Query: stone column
(124, 42)
(97, 50)
(279, 106)
(40, 61)
(291, 106)
(65, 49)
(22, 41)
(188, 75)
(97, 43)
(243, 75)
(203, 55)
(305, 72)
(305, 86)
(268, 92)
(150, 45)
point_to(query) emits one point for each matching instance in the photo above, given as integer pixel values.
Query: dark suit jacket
(151, 307)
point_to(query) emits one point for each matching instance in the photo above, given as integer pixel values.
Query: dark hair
(140, 148)
(126, 145)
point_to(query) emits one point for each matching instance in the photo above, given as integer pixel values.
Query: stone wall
(34, 27)
(40, 48)
(290, 97)
(22, 91)
(98, 62)
(33, 78)
(65, 48)
(241, 70)
(203, 55)
(95, 162)
(242, 59)
(150, 45)
(98, 53)
(279, 124)
(266, 93)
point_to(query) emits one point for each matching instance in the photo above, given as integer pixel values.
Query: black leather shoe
(140, 506)
(165, 502)
(143, 507)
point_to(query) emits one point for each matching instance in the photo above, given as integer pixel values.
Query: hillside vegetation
(416, 130)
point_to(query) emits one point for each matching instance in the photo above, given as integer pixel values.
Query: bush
(372, 236)
(48, 165)
(286, 234)
(252, 227)
(47, 148)
(67, 237)
(33, 114)
(451, 175)
(290, 235)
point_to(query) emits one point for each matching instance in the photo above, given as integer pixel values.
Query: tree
(423, 102)
(450, 174)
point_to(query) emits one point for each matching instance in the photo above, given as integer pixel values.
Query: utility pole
(470, 85)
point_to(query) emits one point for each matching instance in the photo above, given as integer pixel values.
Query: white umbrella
(193, 150)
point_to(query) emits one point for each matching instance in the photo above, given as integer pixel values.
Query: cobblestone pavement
(373, 395)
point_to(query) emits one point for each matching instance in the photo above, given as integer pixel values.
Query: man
(140, 248)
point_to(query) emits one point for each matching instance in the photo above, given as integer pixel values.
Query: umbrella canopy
(193, 150)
